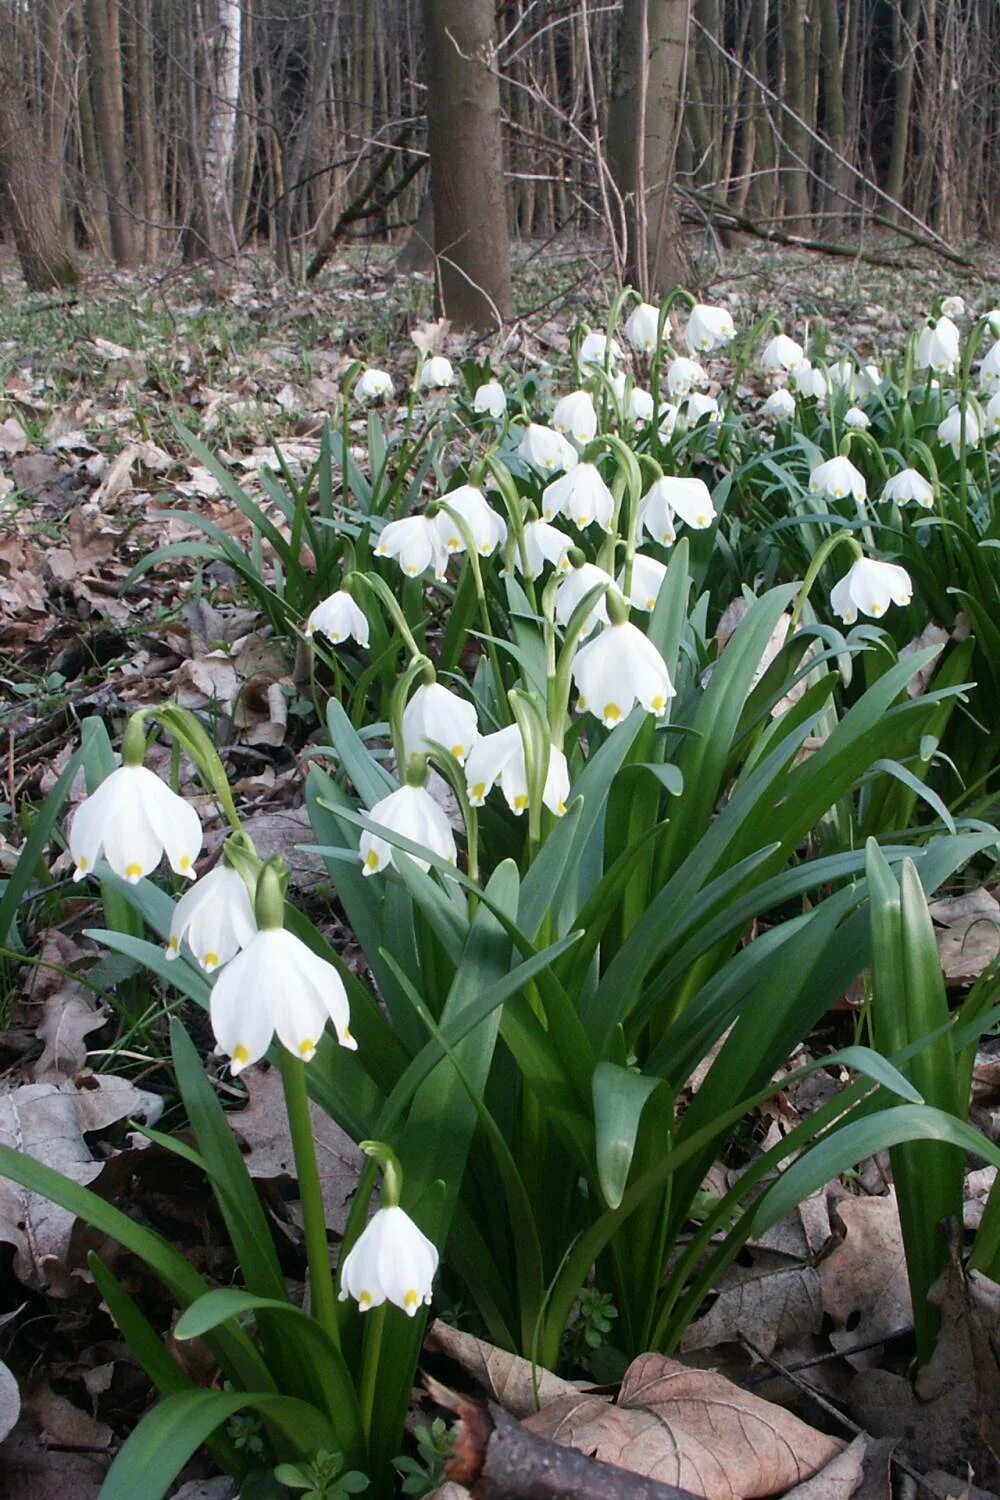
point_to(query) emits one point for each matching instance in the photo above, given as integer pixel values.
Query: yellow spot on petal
(479, 791)
(658, 704)
(133, 872)
(174, 945)
(520, 802)
(240, 1054)
(336, 637)
(453, 544)
(185, 863)
(458, 751)
(650, 603)
(364, 1299)
(581, 701)
(701, 519)
(839, 494)
(346, 1039)
(561, 808)
(612, 713)
(210, 961)
(381, 551)
(83, 864)
(581, 522)
(411, 571)
(371, 859)
(876, 608)
(411, 1300)
(307, 1048)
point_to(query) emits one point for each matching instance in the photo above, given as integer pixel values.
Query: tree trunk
(222, 75)
(463, 125)
(41, 250)
(797, 143)
(904, 63)
(147, 156)
(643, 121)
(109, 118)
(836, 173)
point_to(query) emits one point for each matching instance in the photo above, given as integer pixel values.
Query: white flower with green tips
(574, 587)
(907, 485)
(133, 819)
(869, 588)
(688, 498)
(581, 496)
(391, 1261)
(490, 400)
(546, 450)
(487, 529)
(708, 328)
(340, 619)
(576, 417)
(415, 542)
(215, 916)
(411, 812)
(498, 759)
(642, 327)
(543, 544)
(647, 579)
(838, 478)
(435, 714)
(616, 670)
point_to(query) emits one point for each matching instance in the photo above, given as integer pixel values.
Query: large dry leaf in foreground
(863, 1279)
(691, 1428)
(515, 1383)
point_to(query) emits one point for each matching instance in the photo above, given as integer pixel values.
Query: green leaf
(620, 1096)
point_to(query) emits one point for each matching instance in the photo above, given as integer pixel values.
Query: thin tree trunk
(148, 163)
(109, 118)
(833, 112)
(797, 144)
(222, 75)
(905, 62)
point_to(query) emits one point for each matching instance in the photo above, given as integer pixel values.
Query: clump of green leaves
(585, 1343)
(323, 1479)
(425, 1473)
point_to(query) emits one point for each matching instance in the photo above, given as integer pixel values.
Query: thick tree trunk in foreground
(642, 139)
(463, 119)
(31, 203)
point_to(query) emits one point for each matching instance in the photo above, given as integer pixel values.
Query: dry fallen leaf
(840, 1477)
(863, 1280)
(969, 934)
(691, 1428)
(10, 1401)
(510, 1380)
(768, 1304)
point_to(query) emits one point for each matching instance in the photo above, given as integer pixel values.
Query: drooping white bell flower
(668, 419)
(491, 400)
(938, 347)
(577, 583)
(641, 327)
(647, 580)
(992, 317)
(688, 498)
(133, 818)
(415, 543)
(708, 328)
(575, 416)
(782, 355)
(277, 984)
(581, 496)
(499, 759)
(594, 348)
(488, 530)
(837, 478)
(374, 385)
(989, 369)
(807, 381)
(547, 450)
(953, 307)
(950, 430)
(698, 406)
(436, 373)
(866, 381)
(684, 375)
(543, 544)
(434, 713)
(780, 405)
(617, 669)
(412, 812)
(870, 587)
(992, 413)
(640, 405)
(856, 419)
(391, 1261)
(216, 916)
(909, 484)
(339, 618)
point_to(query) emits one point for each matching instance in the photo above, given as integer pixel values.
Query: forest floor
(94, 475)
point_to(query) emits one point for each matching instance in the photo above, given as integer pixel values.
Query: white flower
(842, 376)
(908, 484)
(488, 530)
(433, 713)
(867, 380)
(575, 415)
(617, 669)
(545, 449)
(582, 496)
(854, 417)
(412, 812)
(415, 543)
(543, 544)
(989, 369)
(683, 375)
(782, 354)
(838, 477)
(216, 917)
(708, 328)
(391, 1261)
(499, 758)
(992, 414)
(668, 419)
(640, 330)
(277, 984)
(339, 619)
(490, 398)
(436, 373)
(950, 430)
(780, 405)
(870, 587)
(688, 498)
(577, 583)
(807, 381)
(698, 406)
(374, 385)
(953, 307)
(640, 405)
(132, 818)
(938, 347)
(594, 348)
(647, 580)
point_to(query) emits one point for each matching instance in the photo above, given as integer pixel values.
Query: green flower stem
(472, 557)
(188, 730)
(324, 1304)
(384, 594)
(814, 569)
(367, 1386)
(515, 518)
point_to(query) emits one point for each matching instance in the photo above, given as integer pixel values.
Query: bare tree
(463, 125)
(105, 54)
